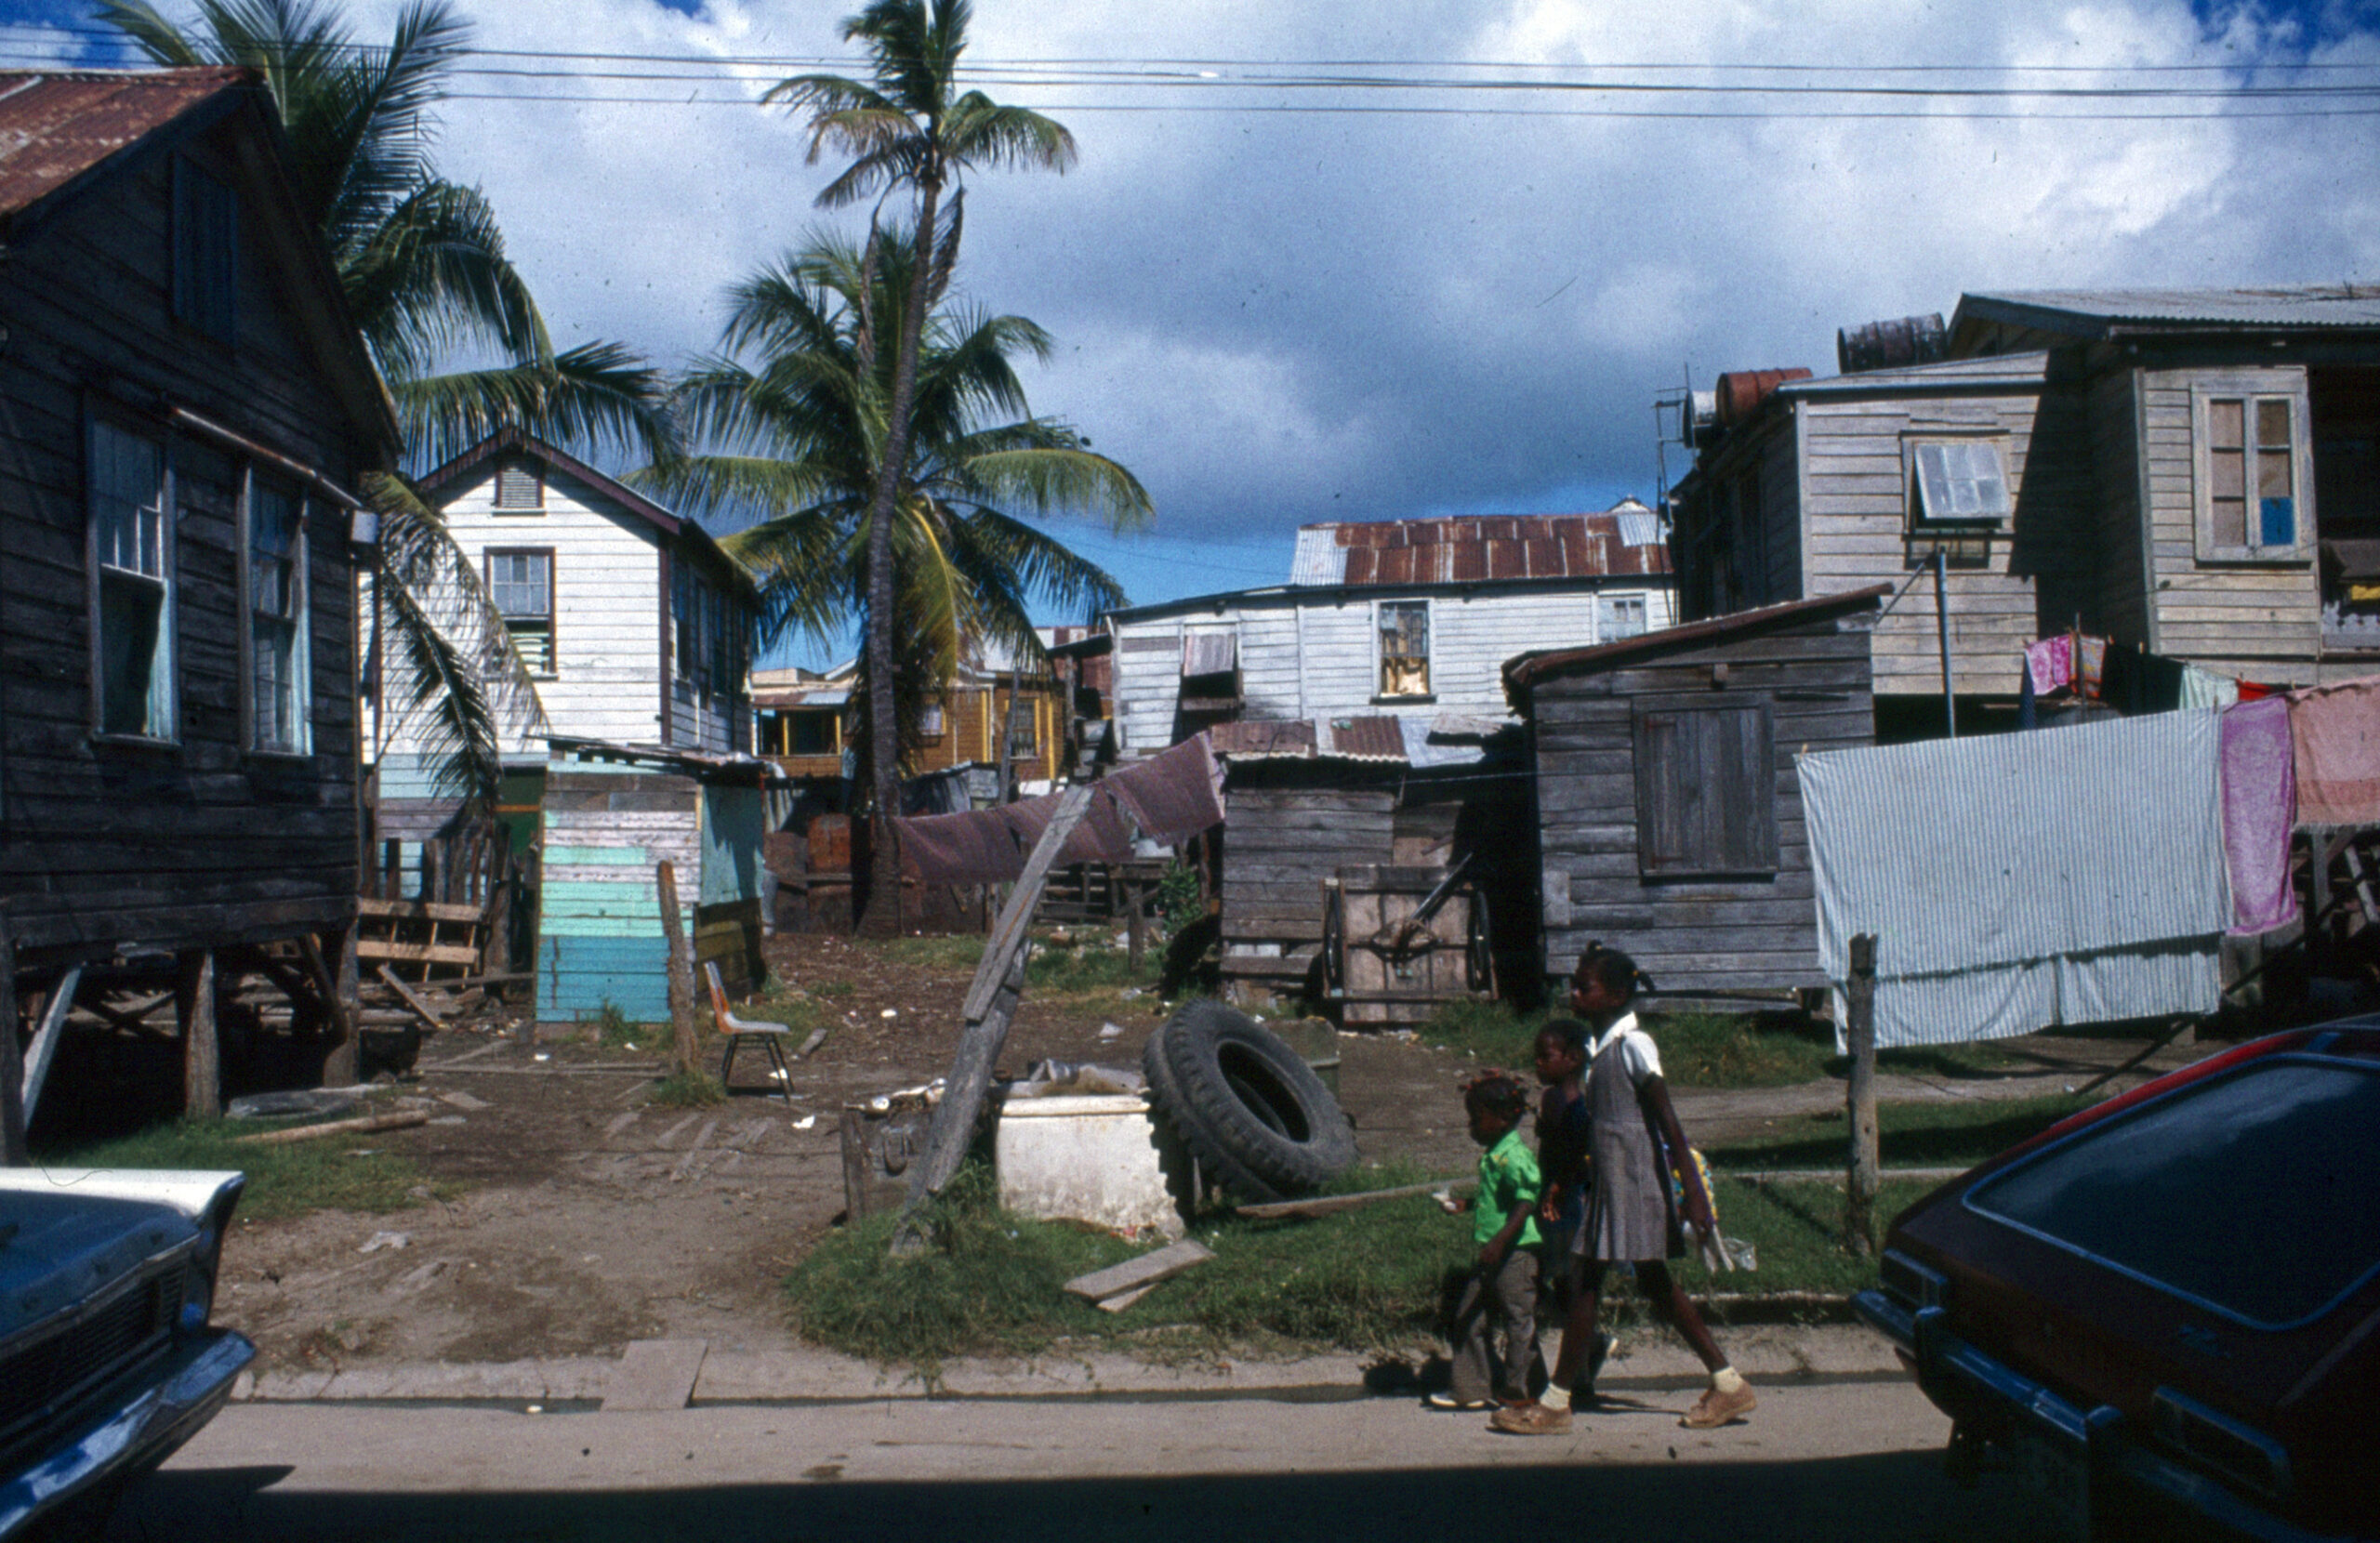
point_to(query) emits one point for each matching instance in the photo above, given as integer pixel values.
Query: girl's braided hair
(1497, 1093)
(1616, 970)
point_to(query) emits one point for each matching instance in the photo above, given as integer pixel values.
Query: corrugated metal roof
(1524, 670)
(799, 696)
(1360, 738)
(1476, 548)
(57, 124)
(1271, 739)
(2336, 305)
(1368, 738)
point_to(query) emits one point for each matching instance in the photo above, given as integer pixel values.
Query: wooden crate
(419, 940)
(1382, 971)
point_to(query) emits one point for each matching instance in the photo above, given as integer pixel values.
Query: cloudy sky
(1281, 302)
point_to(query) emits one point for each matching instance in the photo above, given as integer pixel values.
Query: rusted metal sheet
(1211, 652)
(1271, 739)
(1365, 739)
(57, 124)
(1481, 549)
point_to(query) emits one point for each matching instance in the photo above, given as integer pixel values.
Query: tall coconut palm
(422, 264)
(785, 430)
(908, 128)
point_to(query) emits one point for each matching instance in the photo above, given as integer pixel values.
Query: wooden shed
(611, 814)
(1312, 804)
(1669, 816)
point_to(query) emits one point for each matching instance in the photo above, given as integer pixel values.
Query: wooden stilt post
(45, 1045)
(12, 1065)
(338, 990)
(1136, 930)
(682, 970)
(1859, 1030)
(202, 1065)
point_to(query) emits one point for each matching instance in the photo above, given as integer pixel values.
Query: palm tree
(907, 127)
(423, 268)
(793, 441)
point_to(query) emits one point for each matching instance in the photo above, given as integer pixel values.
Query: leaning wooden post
(991, 1002)
(1136, 926)
(340, 1066)
(13, 1152)
(202, 1063)
(1859, 1030)
(682, 971)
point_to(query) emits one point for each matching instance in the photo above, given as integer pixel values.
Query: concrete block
(655, 1374)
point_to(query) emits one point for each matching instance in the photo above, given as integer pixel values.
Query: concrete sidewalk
(1649, 1359)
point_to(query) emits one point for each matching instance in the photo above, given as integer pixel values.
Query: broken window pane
(133, 600)
(276, 617)
(1405, 648)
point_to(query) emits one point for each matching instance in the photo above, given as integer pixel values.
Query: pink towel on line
(2336, 734)
(2050, 662)
(2259, 812)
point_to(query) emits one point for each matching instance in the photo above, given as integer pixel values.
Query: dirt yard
(582, 1215)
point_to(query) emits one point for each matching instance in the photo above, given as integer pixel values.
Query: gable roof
(2106, 313)
(64, 130)
(1470, 548)
(465, 466)
(1524, 670)
(58, 127)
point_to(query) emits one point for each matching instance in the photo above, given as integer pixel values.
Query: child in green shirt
(1501, 1293)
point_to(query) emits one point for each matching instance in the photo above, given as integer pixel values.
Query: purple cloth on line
(2259, 811)
(978, 847)
(1174, 794)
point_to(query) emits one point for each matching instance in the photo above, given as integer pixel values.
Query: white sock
(1555, 1396)
(1728, 1380)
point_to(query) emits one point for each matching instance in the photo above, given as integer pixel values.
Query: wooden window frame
(1381, 655)
(165, 651)
(301, 649)
(204, 257)
(2250, 390)
(1750, 851)
(1918, 520)
(553, 621)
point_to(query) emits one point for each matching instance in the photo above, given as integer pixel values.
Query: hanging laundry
(1175, 794)
(2259, 812)
(2203, 688)
(2091, 669)
(2336, 735)
(2021, 880)
(2050, 663)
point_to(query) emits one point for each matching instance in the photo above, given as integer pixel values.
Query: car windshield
(2257, 1192)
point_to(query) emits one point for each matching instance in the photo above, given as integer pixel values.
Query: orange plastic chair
(736, 1030)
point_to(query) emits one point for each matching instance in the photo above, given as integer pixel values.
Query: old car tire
(1216, 1165)
(1247, 1102)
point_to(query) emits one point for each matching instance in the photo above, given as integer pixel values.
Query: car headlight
(197, 1299)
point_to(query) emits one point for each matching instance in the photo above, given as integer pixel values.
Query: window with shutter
(2250, 471)
(518, 489)
(207, 250)
(1706, 787)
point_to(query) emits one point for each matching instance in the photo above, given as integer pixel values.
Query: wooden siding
(1280, 844)
(599, 909)
(2112, 404)
(1309, 655)
(1691, 933)
(199, 842)
(2044, 566)
(2262, 621)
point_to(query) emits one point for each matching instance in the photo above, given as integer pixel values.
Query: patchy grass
(1372, 1279)
(1910, 1135)
(1072, 967)
(696, 1089)
(942, 955)
(322, 1174)
(1709, 1049)
(1490, 1030)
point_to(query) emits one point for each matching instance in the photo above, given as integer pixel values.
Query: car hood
(70, 1234)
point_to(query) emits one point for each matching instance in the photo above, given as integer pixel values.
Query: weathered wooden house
(636, 628)
(2188, 473)
(185, 407)
(1328, 823)
(989, 710)
(1668, 811)
(609, 818)
(1408, 618)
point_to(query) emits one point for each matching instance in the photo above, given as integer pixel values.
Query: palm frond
(597, 394)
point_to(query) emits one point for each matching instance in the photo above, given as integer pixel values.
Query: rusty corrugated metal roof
(57, 124)
(1363, 739)
(1270, 739)
(1476, 548)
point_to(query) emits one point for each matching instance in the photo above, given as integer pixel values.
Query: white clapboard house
(635, 627)
(1405, 618)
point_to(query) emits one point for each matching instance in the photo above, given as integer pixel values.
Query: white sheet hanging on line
(2019, 881)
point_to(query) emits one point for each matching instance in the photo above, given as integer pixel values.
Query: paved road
(1857, 1459)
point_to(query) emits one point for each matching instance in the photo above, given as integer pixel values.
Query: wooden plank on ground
(1147, 1269)
(407, 995)
(335, 1128)
(1324, 1205)
(655, 1374)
